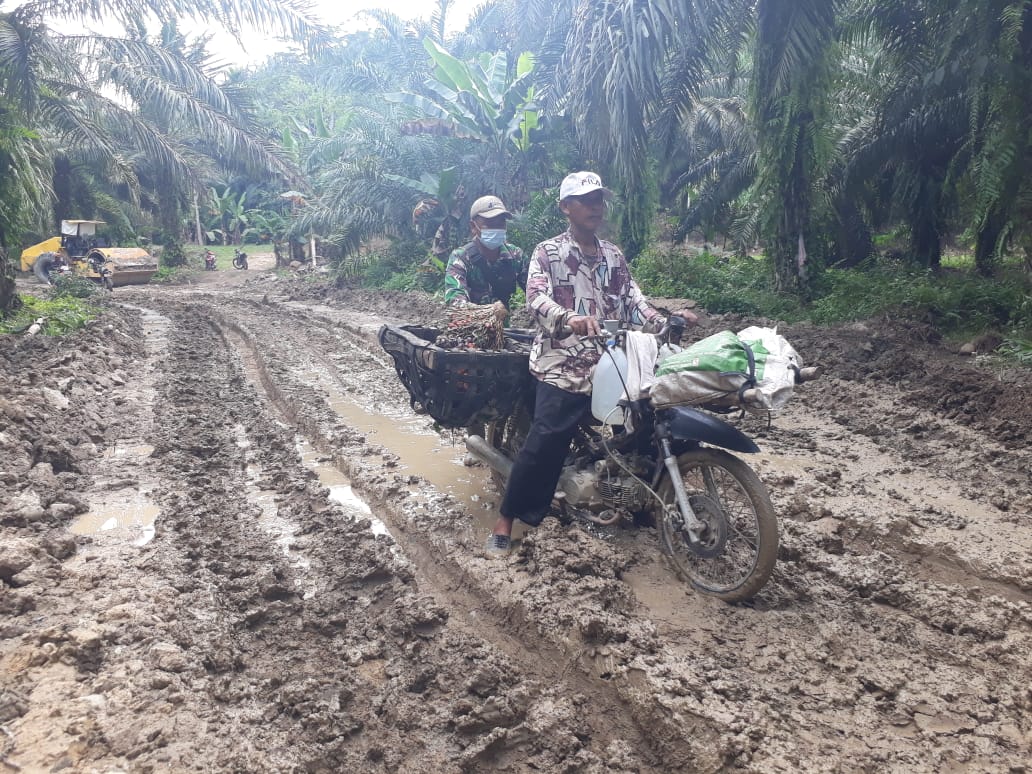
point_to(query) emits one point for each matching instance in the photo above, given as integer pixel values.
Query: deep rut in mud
(267, 623)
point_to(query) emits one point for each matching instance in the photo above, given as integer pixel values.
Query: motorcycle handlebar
(671, 332)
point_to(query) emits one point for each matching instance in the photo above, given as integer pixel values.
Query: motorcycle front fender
(689, 424)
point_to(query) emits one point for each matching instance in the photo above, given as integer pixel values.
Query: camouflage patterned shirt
(562, 283)
(471, 279)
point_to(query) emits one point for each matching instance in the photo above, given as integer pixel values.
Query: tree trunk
(63, 191)
(986, 242)
(788, 252)
(926, 243)
(9, 300)
(790, 87)
(168, 205)
(197, 221)
(853, 241)
(787, 244)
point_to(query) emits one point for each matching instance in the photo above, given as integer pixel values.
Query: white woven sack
(779, 372)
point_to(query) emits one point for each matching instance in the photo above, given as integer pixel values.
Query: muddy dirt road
(228, 544)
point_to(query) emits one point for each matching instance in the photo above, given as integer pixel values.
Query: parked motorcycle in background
(239, 259)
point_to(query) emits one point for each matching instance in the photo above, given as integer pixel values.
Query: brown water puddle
(128, 515)
(338, 485)
(128, 518)
(422, 452)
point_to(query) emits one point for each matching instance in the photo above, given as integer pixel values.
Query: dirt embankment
(228, 544)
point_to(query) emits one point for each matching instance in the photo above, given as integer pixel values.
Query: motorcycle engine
(606, 485)
(618, 489)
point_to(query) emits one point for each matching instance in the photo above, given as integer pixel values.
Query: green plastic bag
(712, 371)
(722, 352)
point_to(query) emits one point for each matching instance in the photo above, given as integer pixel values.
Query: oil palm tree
(794, 57)
(631, 63)
(947, 140)
(57, 87)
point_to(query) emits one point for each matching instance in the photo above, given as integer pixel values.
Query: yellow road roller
(81, 250)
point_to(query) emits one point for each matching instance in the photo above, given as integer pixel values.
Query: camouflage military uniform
(471, 279)
(563, 283)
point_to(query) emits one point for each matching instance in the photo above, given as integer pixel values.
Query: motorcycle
(670, 467)
(239, 259)
(100, 269)
(209, 261)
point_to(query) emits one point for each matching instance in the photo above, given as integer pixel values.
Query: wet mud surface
(228, 544)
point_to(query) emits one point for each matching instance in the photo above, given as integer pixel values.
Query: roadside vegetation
(70, 304)
(841, 154)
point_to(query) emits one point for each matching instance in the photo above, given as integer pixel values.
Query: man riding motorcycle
(574, 281)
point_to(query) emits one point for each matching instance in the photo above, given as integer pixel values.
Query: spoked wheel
(739, 545)
(507, 435)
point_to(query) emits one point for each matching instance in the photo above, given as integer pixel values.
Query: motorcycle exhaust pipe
(490, 456)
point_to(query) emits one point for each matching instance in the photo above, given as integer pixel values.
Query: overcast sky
(258, 45)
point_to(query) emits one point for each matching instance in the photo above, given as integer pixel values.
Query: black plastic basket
(456, 388)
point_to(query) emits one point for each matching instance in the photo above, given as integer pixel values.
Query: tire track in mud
(508, 626)
(847, 602)
(956, 513)
(579, 719)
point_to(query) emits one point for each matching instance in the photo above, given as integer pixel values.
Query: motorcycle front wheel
(739, 546)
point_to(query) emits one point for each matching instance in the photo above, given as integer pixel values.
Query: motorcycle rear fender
(688, 424)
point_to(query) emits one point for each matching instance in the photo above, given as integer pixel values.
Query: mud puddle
(339, 486)
(130, 520)
(429, 455)
(120, 505)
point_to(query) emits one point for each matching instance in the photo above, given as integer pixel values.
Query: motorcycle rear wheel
(507, 434)
(738, 552)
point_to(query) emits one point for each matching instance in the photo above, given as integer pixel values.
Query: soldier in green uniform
(487, 269)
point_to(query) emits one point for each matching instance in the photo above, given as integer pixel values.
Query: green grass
(1018, 349)
(956, 301)
(63, 314)
(720, 284)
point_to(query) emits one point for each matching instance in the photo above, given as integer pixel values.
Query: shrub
(73, 286)
(62, 314)
(955, 302)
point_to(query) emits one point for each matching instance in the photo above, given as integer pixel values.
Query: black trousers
(528, 495)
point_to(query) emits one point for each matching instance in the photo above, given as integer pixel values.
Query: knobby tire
(747, 561)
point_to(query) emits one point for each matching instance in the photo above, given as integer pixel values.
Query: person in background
(487, 269)
(575, 281)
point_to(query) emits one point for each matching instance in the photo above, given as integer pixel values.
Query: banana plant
(484, 101)
(443, 203)
(229, 215)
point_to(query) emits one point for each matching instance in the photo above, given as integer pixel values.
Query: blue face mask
(492, 238)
